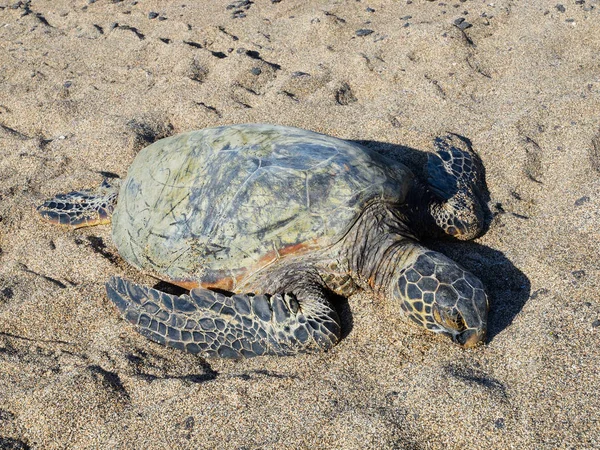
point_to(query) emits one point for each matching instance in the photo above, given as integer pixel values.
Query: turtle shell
(214, 206)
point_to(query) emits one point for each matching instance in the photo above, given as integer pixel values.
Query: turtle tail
(454, 177)
(86, 208)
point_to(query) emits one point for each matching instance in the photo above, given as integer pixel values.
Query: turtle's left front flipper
(454, 178)
(82, 208)
(237, 326)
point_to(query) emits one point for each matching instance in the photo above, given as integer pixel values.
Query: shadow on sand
(507, 287)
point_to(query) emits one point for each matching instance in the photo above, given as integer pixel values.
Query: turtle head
(440, 296)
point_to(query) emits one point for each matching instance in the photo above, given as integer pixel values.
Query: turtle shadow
(169, 288)
(507, 287)
(342, 307)
(416, 161)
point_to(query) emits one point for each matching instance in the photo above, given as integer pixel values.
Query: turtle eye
(449, 317)
(456, 321)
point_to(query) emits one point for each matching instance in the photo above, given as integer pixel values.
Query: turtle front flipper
(454, 175)
(237, 326)
(82, 208)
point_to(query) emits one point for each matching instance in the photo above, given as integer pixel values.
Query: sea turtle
(262, 223)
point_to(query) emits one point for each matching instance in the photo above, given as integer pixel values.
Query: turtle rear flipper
(453, 177)
(237, 326)
(82, 208)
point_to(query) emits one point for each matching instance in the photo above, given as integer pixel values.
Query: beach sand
(85, 85)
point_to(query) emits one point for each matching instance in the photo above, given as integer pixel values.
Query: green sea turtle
(262, 223)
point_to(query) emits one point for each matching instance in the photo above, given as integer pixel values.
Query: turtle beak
(470, 337)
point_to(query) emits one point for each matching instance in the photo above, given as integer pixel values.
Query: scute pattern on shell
(226, 201)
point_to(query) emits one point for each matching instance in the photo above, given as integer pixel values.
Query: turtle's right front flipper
(240, 326)
(82, 208)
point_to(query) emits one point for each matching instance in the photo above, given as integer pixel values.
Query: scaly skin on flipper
(243, 325)
(453, 177)
(82, 208)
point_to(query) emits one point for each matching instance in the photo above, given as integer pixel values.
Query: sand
(85, 85)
